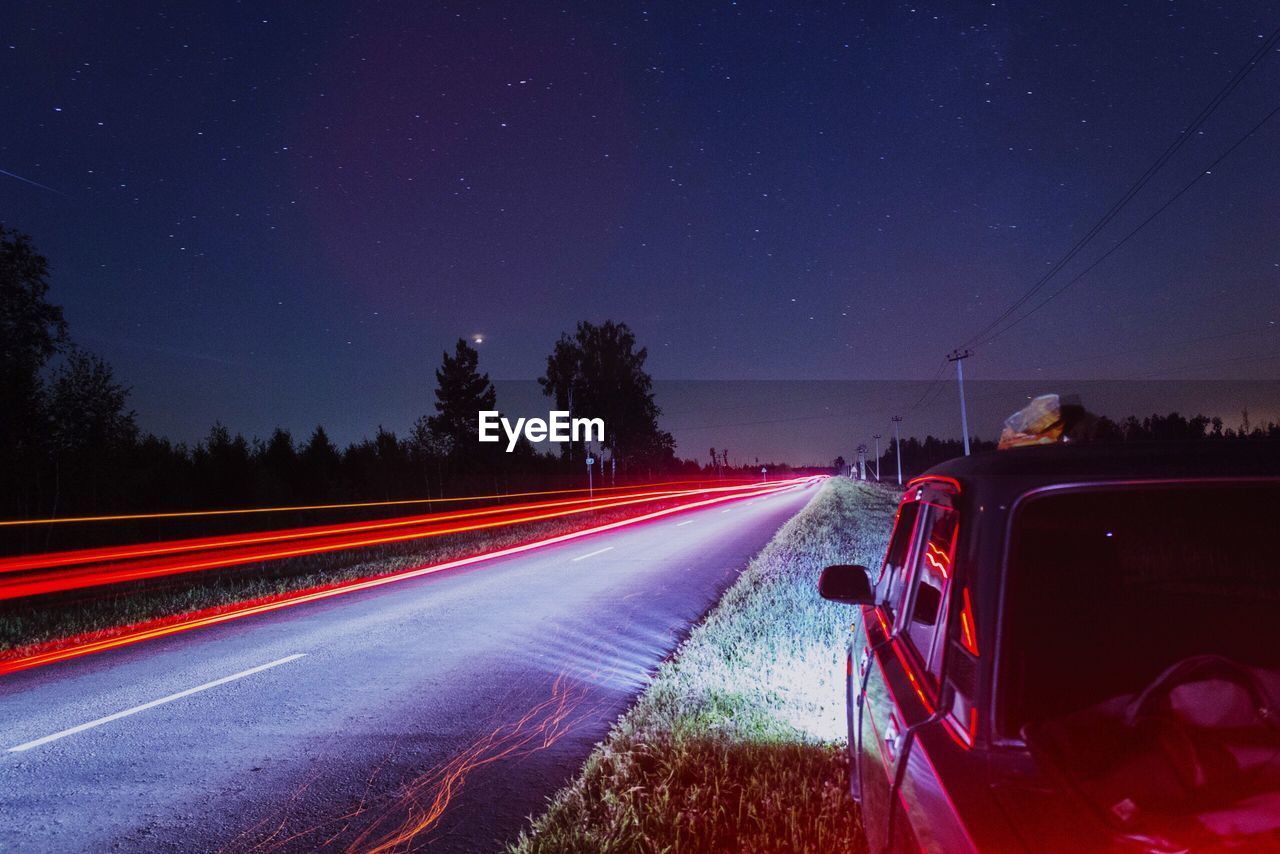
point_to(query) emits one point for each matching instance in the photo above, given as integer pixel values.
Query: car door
(869, 631)
(906, 639)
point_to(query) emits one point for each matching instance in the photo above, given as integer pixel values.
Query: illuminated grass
(737, 744)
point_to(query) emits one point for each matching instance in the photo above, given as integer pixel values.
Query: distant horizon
(831, 415)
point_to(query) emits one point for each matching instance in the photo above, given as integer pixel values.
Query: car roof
(1069, 462)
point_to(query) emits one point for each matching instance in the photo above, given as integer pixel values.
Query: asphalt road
(333, 719)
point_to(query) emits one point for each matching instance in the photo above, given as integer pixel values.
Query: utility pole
(958, 356)
(897, 442)
(591, 464)
(862, 462)
(877, 438)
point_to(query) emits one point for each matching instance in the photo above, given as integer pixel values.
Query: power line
(936, 382)
(1269, 328)
(1186, 187)
(1206, 298)
(1183, 137)
(1194, 365)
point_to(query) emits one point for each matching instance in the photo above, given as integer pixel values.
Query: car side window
(893, 576)
(929, 585)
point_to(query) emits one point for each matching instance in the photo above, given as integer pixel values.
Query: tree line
(919, 455)
(70, 445)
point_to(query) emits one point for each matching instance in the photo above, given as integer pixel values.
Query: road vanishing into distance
(455, 702)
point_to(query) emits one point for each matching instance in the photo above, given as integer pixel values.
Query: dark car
(1062, 644)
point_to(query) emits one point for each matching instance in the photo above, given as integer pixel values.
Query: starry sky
(281, 213)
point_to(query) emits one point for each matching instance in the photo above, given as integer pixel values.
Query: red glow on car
(968, 631)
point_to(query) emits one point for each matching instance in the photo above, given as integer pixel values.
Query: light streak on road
(42, 574)
(425, 800)
(399, 821)
(77, 647)
(79, 557)
(242, 511)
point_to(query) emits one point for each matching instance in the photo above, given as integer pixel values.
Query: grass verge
(737, 743)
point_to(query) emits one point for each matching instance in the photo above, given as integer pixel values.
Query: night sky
(281, 214)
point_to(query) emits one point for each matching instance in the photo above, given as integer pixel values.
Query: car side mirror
(928, 601)
(848, 583)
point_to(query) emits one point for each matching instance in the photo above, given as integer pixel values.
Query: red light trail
(101, 555)
(32, 575)
(45, 654)
(185, 514)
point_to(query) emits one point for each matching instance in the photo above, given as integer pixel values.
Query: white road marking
(169, 699)
(685, 522)
(592, 554)
(727, 510)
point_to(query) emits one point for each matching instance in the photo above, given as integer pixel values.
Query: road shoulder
(736, 744)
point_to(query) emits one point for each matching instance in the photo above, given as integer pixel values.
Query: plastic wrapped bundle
(1040, 422)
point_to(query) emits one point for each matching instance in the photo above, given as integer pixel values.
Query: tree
(87, 407)
(319, 463)
(563, 369)
(32, 330)
(277, 461)
(428, 451)
(461, 392)
(224, 468)
(91, 430)
(600, 373)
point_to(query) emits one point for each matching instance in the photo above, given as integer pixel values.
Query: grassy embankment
(44, 623)
(738, 742)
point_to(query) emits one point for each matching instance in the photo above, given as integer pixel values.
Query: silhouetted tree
(560, 383)
(224, 468)
(461, 392)
(609, 381)
(278, 464)
(91, 432)
(319, 463)
(32, 330)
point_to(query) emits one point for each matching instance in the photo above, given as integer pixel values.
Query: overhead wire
(1182, 138)
(1185, 188)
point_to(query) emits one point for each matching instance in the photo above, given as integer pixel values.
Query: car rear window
(1106, 587)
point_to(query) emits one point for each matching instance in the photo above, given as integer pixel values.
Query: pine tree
(461, 392)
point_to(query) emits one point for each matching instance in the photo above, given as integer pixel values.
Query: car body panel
(934, 775)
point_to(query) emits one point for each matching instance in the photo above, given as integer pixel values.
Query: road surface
(339, 718)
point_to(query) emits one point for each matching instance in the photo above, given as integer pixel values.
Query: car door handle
(892, 739)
